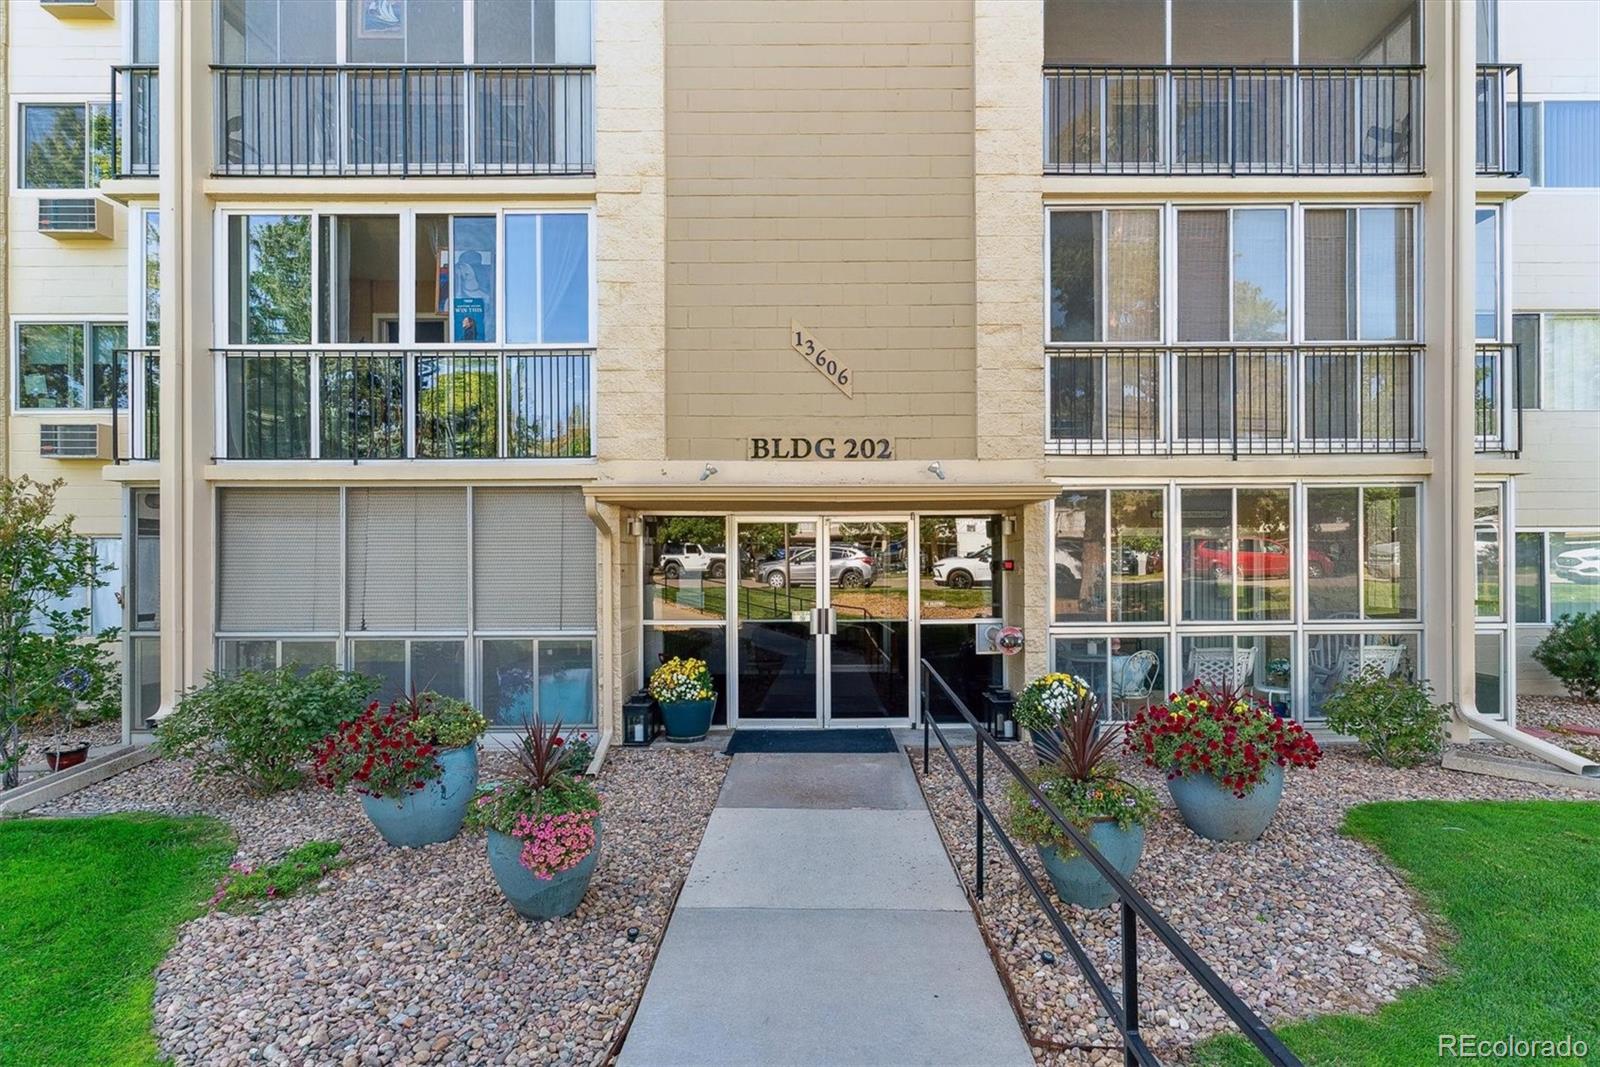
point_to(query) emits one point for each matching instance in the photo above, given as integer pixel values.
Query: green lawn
(88, 908)
(1519, 884)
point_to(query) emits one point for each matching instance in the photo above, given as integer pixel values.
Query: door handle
(833, 622)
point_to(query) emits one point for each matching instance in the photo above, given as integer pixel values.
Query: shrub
(1395, 720)
(1571, 652)
(445, 721)
(379, 753)
(305, 865)
(256, 726)
(1225, 732)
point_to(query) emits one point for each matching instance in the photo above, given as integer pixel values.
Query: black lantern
(998, 705)
(637, 727)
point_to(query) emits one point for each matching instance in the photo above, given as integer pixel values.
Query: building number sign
(821, 360)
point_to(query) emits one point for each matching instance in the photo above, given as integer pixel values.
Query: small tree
(1571, 652)
(51, 661)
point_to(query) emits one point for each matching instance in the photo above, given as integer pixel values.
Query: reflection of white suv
(963, 572)
(690, 558)
(1578, 565)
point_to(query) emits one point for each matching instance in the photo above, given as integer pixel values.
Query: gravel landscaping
(413, 956)
(1302, 922)
(1558, 715)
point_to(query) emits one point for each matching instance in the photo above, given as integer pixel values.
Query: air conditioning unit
(77, 219)
(75, 440)
(78, 9)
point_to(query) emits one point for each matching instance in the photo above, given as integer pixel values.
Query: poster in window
(382, 20)
(472, 303)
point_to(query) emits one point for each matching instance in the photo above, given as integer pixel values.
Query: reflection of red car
(1257, 557)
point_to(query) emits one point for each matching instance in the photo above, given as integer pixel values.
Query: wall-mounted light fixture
(936, 469)
(1010, 525)
(635, 527)
(708, 472)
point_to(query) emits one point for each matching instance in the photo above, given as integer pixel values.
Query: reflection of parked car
(1134, 561)
(690, 558)
(1578, 565)
(848, 567)
(962, 572)
(1257, 557)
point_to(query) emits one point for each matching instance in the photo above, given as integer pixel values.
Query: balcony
(1499, 119)
(360, 405)
(135, 111)
(139, 371)
(1234, 401)
(1497, 400)
(404, 121)
(1233, 120)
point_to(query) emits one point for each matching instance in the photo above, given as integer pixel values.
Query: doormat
(837, 741)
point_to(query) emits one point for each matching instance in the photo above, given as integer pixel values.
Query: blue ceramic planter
(1077, 881)
(433, 813)
(688, 720)
(1211, 810)
(540, 898)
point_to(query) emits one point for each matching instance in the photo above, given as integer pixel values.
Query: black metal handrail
(1499, 119)
(1233, 120)
(1234, 400)
(1497, 398)
(136, 121)
(1134, 907)
(141, 387)
(393, 404)
(329, 121)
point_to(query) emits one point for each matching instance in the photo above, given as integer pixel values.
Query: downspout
(606, 623)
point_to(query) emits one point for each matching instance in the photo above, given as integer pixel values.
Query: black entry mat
(840, 741)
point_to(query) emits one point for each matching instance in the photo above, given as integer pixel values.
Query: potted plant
(1045, 705)
(1086, 789)
(543, 826)
(683, 689)
(1223, 752)
(414, 791)
(64, 751)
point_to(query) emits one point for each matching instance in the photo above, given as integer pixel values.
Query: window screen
(278, 560)
(1202, 276)
(407, 553)
(534, 560)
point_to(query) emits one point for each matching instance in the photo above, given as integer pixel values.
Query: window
(144, 583)
(266, 654)
(1233, 275)
(1530, 577)
(1487, 538)
(1360, 281)
(1528, 116)
(1332, 658)
(1105, 275)
(358, 277)
(1109, 564)
(65, 146)
(149, 268)
(1257, 32)
(547, 279)
(279, 31)
(1569, 359)
(1525, 335)
(70, 366)
(533, 31)
(1571, 129)
(473, 312)
(145, 43)
(1238, 559)
(1361, 552)
(103, 601)
(269, 279)
(404, 33)
(1487, 287)
(1574, 570)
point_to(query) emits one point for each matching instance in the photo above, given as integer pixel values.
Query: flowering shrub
(445, 721)
(378, 753)
(1227, 733)
(680, 680)
(304, 865)
(1051, 700)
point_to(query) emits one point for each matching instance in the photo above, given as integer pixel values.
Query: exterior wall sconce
(708, 472)
(936, 469)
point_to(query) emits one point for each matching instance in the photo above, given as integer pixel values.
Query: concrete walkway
(821, 924)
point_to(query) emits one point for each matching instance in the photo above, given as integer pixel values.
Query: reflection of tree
(152, 279)
(531, 435)
(56, 160)
(280, 280)
(457, 408)
(1256, 317)
(703, 530)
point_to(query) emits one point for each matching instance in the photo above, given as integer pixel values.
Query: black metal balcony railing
(1233, 120)
(345, 404)
(1234, 401)
(135, 113)
(1499, 119)
(403, 121)
(138, 375)
(1497, 399)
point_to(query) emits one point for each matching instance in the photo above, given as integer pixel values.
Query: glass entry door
(823, 622)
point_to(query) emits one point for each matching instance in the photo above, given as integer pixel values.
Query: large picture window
(71, 366)
(1557, 574)
(64, 146)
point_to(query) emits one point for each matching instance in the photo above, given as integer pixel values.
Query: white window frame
(20, 145)
(88, 322)
(1548, 616)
